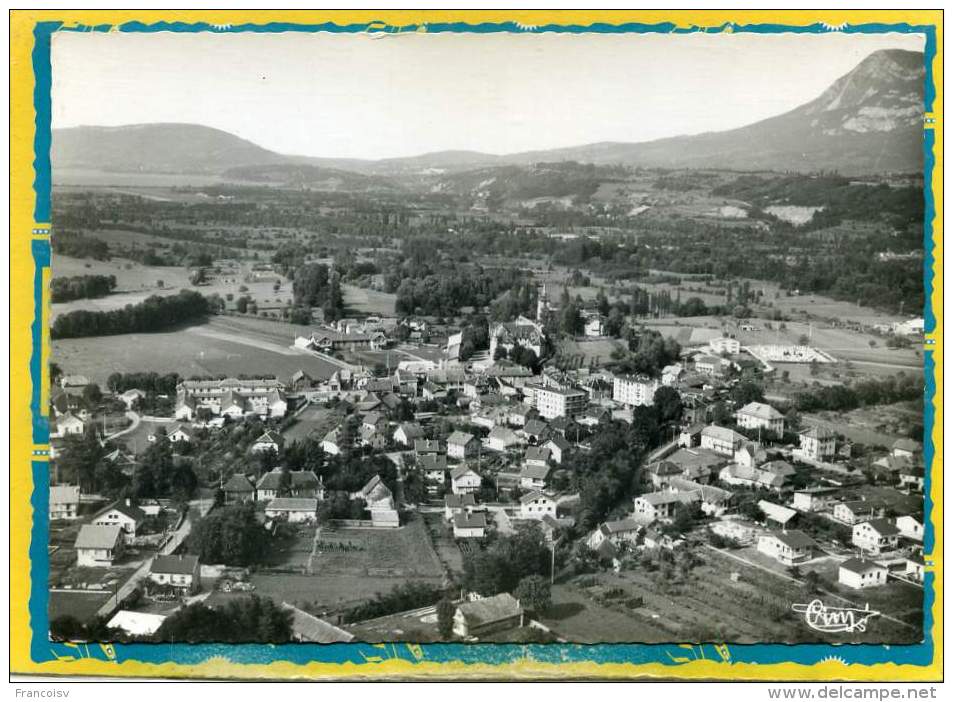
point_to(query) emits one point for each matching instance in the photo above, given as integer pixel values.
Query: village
(426, 497)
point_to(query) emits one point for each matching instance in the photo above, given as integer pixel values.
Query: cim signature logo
(835, 620)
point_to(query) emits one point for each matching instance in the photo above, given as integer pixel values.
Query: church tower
(542, 304)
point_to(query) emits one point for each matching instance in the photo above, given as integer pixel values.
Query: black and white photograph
(511, 338)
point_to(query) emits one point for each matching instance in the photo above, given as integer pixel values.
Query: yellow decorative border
(21, 283)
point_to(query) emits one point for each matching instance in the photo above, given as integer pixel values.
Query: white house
(657, 506)
(502, 438)
(817, 443)
(875, 536)
(180, 433)
(487, 615)
(910, 528)
(457, 503)
(294, 509)
(534, 476)
(407, 433)
(266, 442)
(125, 515)
(905, 448)
(464, 479)
(69, 425)
(461, 445)
(859, 574)
(131, 397)
(64, 501)
(788, 547)
(758, 415)
(98, 545)
(181, 572)
(536, 505)
(721, 440)
(725, 344)
(616, 532)
(469, 525)
(856, 511)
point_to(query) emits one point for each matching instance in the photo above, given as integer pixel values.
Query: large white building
(634, 390)
(758, 415)
(552, 402)
(522, 332)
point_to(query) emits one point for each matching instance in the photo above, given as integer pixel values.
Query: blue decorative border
(668, 654)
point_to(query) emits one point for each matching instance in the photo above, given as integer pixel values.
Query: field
(313, 421)
(879, 425)
(370, 302)
(377, 561)
(76, 603)
(580, 354)
(221, 346)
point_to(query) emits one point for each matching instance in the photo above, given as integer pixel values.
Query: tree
(247, 620)
(231, 535)
(445, 612)
(534, 591)
(92, 394)
(668, 404)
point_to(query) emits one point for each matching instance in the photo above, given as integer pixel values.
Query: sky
(357, 96)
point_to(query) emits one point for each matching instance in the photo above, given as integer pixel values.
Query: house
(269, 441)
(558, 447)
(461, 445)
(186, 408)
(502, 438)
(726, 345)
(423, 447)
(233, 405)
(594, 325)
(713, 500)
(434, 468)
(131, 397)
(779, 515)
(535, 430)
(736, 474)
(125, 515)
(180, 433)
(180, 572)
(291, 483)
(76, 382)
(742, 532)
(817, 444)
(815, 499)
(537, 456)
(656, 539)
(910, 528)
(697, 464)
(751, 454)
(239, 489)
(911, 477)
(469, 525)
(691, 436)
(721, 440)
(657, 506)
(913, 568)
(69, 425)
(594, 416)
(379, 501)
(536, 505)
(487, 615)
(709, 365)
(857, 511)
(64, 501)
(457, 503)
(634, 390)
(552, 402)
(617, 532)
(370, 436)
(300, 381)
(787, 547)
(859, 574)
(407, 433)
(876, 536)
(334, 442)
(660, 472)
(518, 415)
(534, 476)
(906, 448)
(521, 332)
(307, 628)
(296, 510)
(375, 421)
(758, 415)
(464, 479)
(99, 545)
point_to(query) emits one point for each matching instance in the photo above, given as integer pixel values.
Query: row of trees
(152, 314)
(870, 391)
(76, 287)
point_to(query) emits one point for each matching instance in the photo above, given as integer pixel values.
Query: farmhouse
(99, 545)
(379, 501)
(487, 615)
(180, 572)
(858, 574)
(617, 532)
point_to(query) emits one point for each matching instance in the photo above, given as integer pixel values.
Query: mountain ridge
(868, 120)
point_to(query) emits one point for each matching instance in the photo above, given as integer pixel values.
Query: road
(185, 528)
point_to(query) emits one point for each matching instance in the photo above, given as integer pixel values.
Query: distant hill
(156, 148)
(869, 120)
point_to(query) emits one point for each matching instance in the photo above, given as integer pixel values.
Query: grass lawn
(369, 302)
(80, 604)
